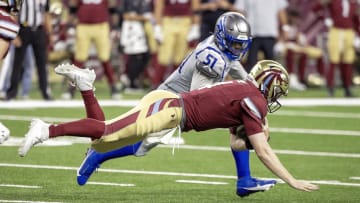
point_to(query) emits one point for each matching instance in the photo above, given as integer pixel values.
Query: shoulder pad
(252, 107)
(211, 63)
(206, 70)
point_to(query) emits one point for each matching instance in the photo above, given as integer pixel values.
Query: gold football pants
(157, 111)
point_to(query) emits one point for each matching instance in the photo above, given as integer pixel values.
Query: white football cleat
(4, 133)
(38, 132)
(82, 78)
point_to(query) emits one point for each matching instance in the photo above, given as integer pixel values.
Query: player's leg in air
(83, 79)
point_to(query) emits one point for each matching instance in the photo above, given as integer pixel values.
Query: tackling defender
(212, 61)
(222, 105)
(9, 29)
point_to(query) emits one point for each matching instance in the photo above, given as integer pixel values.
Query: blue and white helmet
(232, 35)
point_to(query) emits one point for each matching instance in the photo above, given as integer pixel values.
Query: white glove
(279, 48)
(328, 22)
(194, 33)
(4, 133)
(356, 43)
(302, 39)
(158, 34)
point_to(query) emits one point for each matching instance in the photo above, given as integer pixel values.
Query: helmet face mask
(238, 47)
(232, 35)
(273, 81)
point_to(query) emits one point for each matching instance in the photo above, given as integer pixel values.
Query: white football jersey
(203, 66)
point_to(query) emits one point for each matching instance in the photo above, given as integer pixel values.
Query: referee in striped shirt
(35, 30)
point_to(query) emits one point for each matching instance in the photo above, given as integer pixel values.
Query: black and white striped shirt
(32, 13)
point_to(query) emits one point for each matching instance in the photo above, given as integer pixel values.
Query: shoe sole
(28, 143)
(251, 191)
(70, 71)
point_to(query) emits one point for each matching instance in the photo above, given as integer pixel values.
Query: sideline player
(242, 103)
(93, 27)
(9, 29)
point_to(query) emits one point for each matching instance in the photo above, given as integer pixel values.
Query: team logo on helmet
(273, 82)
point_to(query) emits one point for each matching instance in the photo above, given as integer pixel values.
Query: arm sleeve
(200, 80)
(238, 72)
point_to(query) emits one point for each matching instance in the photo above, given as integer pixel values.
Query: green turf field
(322, 147)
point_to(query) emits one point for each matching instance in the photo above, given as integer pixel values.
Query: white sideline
(131, 103)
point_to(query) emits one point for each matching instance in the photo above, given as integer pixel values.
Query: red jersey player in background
(344, 25)
(9, 29)
(176, 26)
(222, 105)
(93, 21)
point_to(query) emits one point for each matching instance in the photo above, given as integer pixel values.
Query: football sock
(93, 109)
(121, 152)
(242, 163)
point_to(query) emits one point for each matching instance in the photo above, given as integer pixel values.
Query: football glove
(194, 33)
(158, 34)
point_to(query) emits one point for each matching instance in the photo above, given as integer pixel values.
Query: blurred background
(317, 41)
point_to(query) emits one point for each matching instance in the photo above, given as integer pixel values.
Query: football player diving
(9, 29)
(223, 105)
(212, 61)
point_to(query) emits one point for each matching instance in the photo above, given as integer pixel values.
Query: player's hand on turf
(304, 186)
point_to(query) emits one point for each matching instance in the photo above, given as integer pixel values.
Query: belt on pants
(33, 28)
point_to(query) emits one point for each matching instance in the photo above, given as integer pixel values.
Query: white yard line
(65, 141)
(278, 113)
(130, 103)
(202, 182)
(24, 201)
(272, 129)
(20, 186)
(198, 175)
(317, 114)
(111, 184)
(277, 151)
(314, 131)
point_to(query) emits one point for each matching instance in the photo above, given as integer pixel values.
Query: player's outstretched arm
(272, 162)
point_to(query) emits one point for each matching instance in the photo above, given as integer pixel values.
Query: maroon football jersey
(177, 8)
(9, 28)
(342, 13)
(224, 105)
(92, 11)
